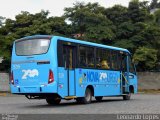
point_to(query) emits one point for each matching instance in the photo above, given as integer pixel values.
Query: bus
(55, 68)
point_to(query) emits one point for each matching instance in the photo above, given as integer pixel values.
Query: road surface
(140, 103)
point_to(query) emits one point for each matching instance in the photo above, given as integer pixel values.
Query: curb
(3, 94)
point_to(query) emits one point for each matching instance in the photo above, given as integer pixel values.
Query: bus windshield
(32, 47)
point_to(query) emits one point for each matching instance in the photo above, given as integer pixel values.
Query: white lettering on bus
(30, 73)
(103, 76)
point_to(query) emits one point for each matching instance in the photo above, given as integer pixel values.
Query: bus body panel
(104, 82)
(71, 82)
(66, 82)
(133, 81)
(62, 82)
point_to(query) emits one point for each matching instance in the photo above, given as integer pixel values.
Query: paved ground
(140, 103)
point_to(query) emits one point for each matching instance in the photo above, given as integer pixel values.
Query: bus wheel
(99, 98)
(88, 96)
(52, 101)
(127, 97)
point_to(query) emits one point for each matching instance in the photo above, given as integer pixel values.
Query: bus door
(124, 73)
(132, 75)
(70, 63)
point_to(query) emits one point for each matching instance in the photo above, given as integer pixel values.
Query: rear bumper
(33, 89)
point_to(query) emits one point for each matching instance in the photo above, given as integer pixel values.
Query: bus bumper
(33, 89)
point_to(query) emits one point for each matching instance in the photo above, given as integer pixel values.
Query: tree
(27, 24)
(117, 14)
(1, 20)
(1, 38)
(132, 27)
(157, 17)
(89, 21)
(125, 43)
(154, 4)
(145, 58)
(125, 30)
(138, 11)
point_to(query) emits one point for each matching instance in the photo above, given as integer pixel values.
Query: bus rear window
(32, 47)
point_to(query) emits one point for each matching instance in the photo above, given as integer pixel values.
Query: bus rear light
(12, 78)
(51, 77)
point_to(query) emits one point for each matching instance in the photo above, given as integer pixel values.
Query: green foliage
(154, 4)
(1, 20)
(132, 27)
(125, 43)
(89, 20)
(145, 58)
(117, 14)
(125, 30)
(27, 24)
(138, 11)
(157, 17)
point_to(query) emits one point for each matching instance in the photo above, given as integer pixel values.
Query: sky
(10, 8)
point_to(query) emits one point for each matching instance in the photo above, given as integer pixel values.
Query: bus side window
(114, 60)
(119, 60)
(90, 57)
(131, 66)
(86, 56)
(64, 57)
(98, 58)
(103, 58)
(124, 62)
(82, 57)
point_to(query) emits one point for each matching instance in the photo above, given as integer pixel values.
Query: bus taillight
(12, 78)
(51, 77)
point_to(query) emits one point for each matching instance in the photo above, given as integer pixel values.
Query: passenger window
(124, 62)
(119, 60)
(86, 57)
(105, 63)
(82, 57)
(98, 58)
(131, 66)
(90, 57)
(103, 59)
(65, 57)
(114, 60)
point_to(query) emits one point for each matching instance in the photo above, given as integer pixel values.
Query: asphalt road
(140, 103)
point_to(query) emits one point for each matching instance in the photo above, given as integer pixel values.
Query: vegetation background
(136, 28)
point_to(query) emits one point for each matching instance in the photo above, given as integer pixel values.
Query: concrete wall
(149, 80)
(4, 82)
(146, 80)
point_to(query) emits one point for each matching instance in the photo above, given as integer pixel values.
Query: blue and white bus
(55, 68)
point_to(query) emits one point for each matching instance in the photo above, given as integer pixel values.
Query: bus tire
(99, 98)
(88, 97)
(127, 97)
(52, 101)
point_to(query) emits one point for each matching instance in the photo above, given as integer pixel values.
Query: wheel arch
(91, 88)
(131, 89)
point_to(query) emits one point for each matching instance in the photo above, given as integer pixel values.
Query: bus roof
(90, 43)
(35, 37)
(74, 40)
